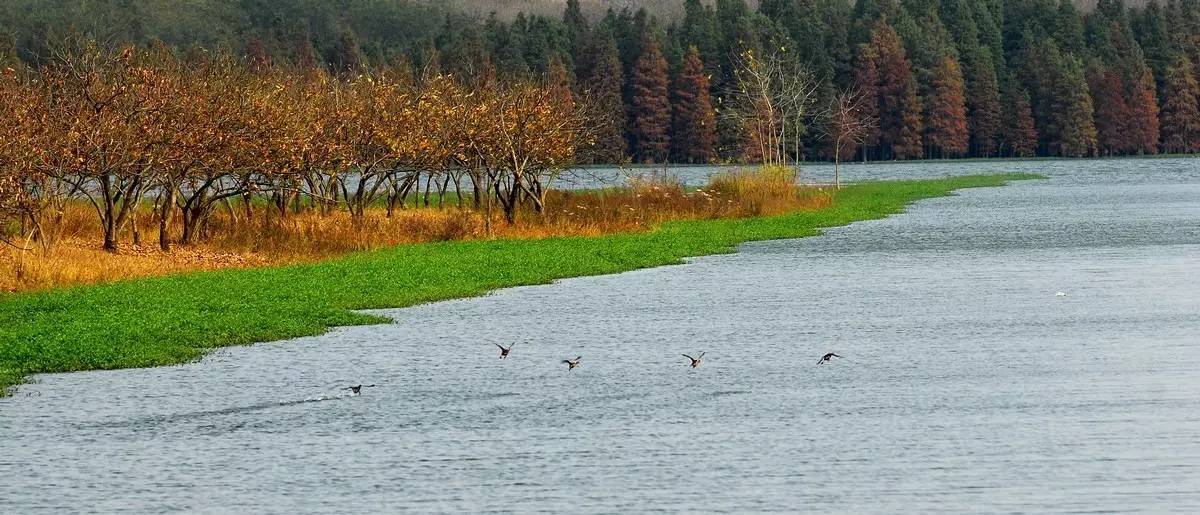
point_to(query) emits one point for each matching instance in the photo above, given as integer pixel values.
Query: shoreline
(967, 160)
(176, 319)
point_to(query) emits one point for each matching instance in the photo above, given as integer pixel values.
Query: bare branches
(848, 126)
(776, 98)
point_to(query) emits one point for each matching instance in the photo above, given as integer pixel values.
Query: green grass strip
(170, 320)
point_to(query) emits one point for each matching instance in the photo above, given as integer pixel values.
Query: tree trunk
(133, 225)
(247, 199)
(476, 191)
(164, 219)
(442, 191)
(837, 164)
(458, 192)
(428, 187)
(110, 235)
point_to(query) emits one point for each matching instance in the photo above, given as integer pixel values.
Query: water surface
(968, 385)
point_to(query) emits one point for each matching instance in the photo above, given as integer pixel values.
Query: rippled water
(968, 385)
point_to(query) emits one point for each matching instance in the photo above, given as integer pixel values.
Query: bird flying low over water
(695, 360)
(357, 389)
(572, 363)
(505, 350)
(828, 356)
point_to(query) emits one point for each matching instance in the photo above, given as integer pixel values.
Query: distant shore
(668, 166)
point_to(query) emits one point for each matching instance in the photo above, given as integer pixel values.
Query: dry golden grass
(233, 240)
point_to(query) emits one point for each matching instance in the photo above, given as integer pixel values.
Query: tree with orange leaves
(908, 143)
(695, 121)
(651, 109)
(948, 135)
(98, 101)
(1112, 112)
(1143, 110)
(534, 141)
(27, 191)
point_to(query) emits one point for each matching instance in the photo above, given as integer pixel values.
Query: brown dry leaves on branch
(124, 162)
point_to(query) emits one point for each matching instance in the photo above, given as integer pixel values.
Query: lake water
(967, 383)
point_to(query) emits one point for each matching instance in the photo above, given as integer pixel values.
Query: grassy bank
(168, 320)
(254, 235)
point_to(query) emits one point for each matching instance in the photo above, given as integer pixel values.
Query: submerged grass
(170, 320)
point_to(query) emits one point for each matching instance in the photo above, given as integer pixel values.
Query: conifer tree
(1120, 53)
(895, 100)
(1068, 28)
(948, 134)
(959, 18)
(1143, 115)
(1150, 28)
(983, 103)
(908, 142)
(925, 41)
(600, 81)
(1180, 109)
(1073, 111)
(699, 29)
(651, 104)
(866, 83)
(560, 83)
(1038, 71)
(575, 23)
(695, 122)
(1019, 133)
(1112, 113)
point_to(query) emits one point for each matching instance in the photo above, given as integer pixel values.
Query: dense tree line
(940, 78)
(117, 128)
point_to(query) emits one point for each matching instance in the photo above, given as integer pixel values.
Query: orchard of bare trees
(145, 132)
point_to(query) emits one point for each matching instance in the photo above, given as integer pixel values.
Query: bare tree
(776, 97)
(848, 125)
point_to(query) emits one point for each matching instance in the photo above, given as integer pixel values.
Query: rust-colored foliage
(695, 133)
(1143, 114)
(900, 123)
(1112, 112)
(651, 108)
(123, 129)
(866, 82)
(948, 113)
(908, 143)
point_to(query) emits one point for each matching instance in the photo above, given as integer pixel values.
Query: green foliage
(169, 320)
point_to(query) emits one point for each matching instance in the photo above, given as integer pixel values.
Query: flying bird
(695, 360)
(505, 350)
(572, 363)
(357, 389)
(828, 356)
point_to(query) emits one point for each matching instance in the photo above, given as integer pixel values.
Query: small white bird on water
(1060, 294)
